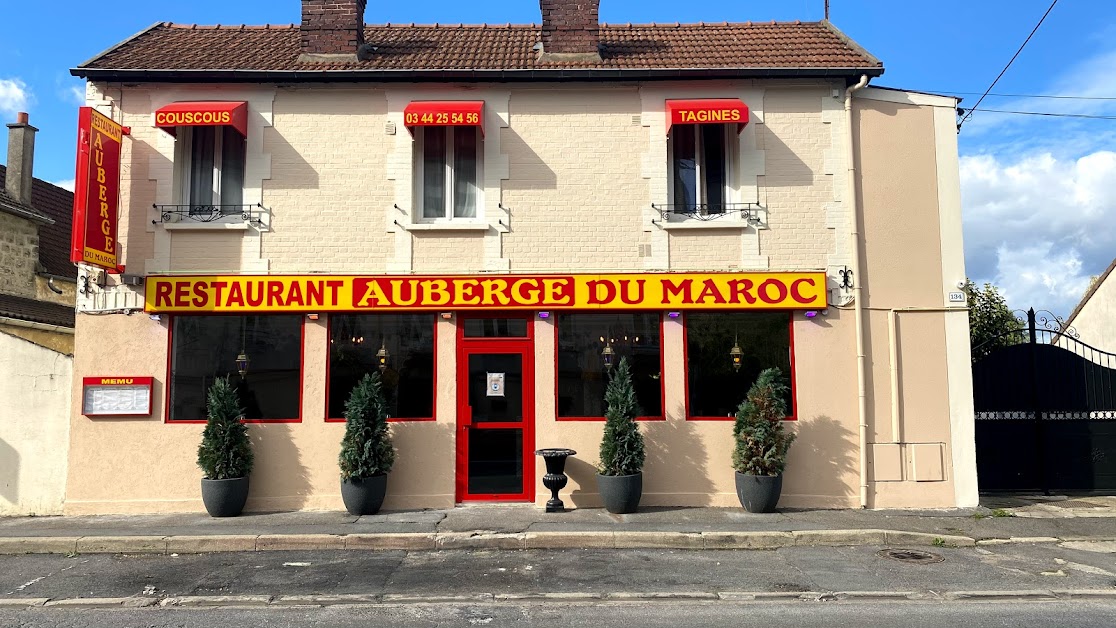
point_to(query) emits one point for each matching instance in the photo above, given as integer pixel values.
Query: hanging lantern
(382, 357)
(242, 362)
(607, 355)
(736, 354)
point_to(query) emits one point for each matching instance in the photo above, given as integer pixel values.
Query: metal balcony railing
(251, 214)
(747, 212)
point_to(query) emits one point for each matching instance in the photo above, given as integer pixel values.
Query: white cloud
(14, 96)
(67, 184)
(77, 93)
(1039, 226)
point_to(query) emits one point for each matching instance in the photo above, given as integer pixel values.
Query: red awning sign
(203, 113)
(444, 113)
(707, 111)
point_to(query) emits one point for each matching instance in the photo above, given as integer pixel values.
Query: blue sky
(1038, 192)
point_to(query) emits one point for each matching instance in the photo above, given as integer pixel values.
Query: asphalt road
(645, 615)
(1004, 567)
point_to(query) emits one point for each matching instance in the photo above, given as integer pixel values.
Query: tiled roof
(814, 47)
(52, 203)
(36, 311)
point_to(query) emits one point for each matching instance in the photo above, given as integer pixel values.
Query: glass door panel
(496, 387)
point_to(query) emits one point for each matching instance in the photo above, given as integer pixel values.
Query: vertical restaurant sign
(96, 190)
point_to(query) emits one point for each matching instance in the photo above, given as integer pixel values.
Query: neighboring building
(493, 210)
(36, 331)
(38, 292)
(1094, 318)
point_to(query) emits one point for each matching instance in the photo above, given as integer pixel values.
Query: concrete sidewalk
(528, 527)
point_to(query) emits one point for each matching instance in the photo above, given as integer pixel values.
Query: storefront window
(582, 376)
(714, 388)
(204, 348)
(408, 377)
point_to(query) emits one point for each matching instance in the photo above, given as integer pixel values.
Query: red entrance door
(495, 408)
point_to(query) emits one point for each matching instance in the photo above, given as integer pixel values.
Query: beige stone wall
(19, 252)
(1096, 322)
(580, 164)
(34, 426)
(44, 293)
(56, 341)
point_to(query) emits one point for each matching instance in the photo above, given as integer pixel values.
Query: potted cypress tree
(225, 453)
(620, 476)
(761, 443)
(366, 451)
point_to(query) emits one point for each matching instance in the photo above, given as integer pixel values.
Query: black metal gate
(1045, 412)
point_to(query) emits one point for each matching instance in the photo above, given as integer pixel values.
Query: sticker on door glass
(495, 384)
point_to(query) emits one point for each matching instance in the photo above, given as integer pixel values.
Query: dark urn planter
(758, 493)
(555, 478)
(620, 493)
(224, 498)
(364, 496)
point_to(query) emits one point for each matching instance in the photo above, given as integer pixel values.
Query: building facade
(36, 331)
(493, 214)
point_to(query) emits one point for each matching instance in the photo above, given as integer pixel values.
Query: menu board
(116, 396)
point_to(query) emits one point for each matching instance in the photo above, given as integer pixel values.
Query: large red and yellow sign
(203, 113)
(330, 293)
(444, 113)
(96, 190)
(707, 111)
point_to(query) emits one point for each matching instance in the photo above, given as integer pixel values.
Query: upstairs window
(447, 170)
(211, 168)
(209, 158)
(699, 167)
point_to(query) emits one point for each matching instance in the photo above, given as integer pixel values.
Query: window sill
(447, 226)
(694, 223)
(205, 226)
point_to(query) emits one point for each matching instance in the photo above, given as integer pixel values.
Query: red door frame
(525, 347)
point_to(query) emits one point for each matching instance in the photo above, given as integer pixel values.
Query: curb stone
(278, 542)
(232, 601)
(217, 600)
(747, 540)
(1000, 595)
(88, 602)
(23, 602)
(486, 540)
(204, 544)
(815, 538)
(38, 545)
(122, 545)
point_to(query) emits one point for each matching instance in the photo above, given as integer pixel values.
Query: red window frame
(170, 358)
(793, 376)
(662, 367)
(434, 386)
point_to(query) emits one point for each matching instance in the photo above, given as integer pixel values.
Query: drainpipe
(858, 301)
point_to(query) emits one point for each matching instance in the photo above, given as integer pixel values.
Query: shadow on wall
(784, 168)
(9, 472)
(287, 485)
(677, 460)
(584, 474)
(824, 455)
(527, 171)
(289, 171)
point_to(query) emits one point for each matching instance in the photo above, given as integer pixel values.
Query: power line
(942, 91)
(1013, 58)
(1046, 113)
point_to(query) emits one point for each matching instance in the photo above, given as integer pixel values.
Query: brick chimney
(571, 30)
(21, 159)
(332, 30)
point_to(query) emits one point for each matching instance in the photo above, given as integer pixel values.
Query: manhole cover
(911, 556)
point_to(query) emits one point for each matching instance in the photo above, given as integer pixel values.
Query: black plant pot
(364, 496)
(224, 498)
(758, 493)
(620, 493)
